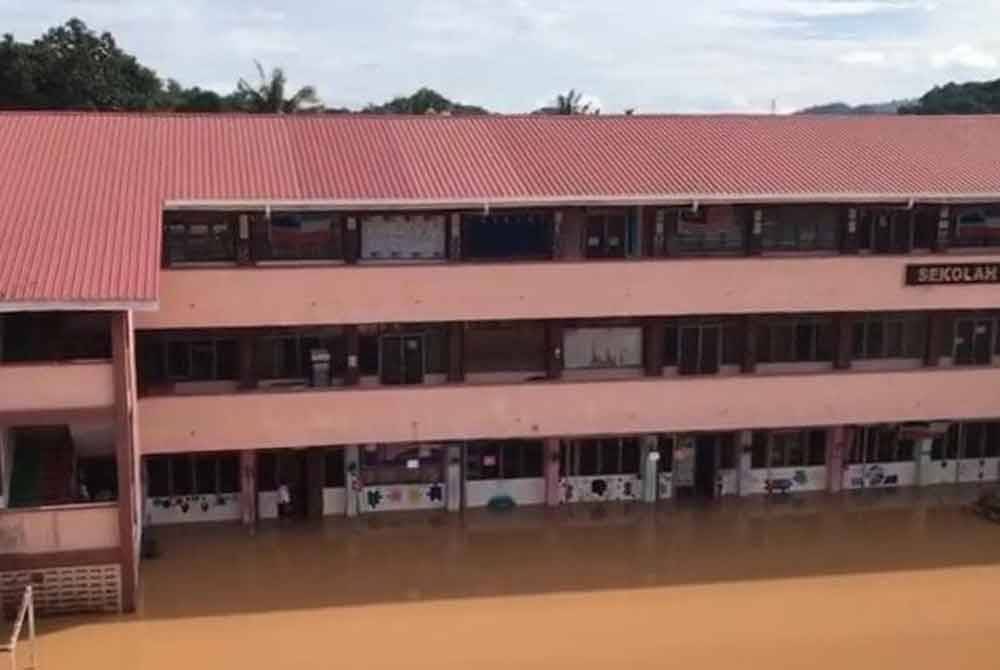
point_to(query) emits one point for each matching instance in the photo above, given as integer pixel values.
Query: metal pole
(30, 596)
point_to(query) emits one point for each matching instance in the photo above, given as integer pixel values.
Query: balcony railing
(62, 528)
(29, 387)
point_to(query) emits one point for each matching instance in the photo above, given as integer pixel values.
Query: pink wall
(253, 420)
(55, 386)
(345, 294)
(45, 530)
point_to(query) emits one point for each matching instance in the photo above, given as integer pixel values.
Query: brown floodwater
(822, 582)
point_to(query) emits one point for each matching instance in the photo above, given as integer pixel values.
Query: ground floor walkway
(905, 579)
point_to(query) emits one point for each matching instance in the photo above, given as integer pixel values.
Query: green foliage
(268, 96)
(968, 98)
(569, 104)
(424, 101)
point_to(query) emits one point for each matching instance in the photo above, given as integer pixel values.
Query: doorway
(973, 341)
(292, 473)
(706, 466)
(402, 359)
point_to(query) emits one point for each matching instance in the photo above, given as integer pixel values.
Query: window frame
(863, 326)
(818, 324)
(175, 463)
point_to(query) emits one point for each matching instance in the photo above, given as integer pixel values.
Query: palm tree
(569, 104)
(268, 97)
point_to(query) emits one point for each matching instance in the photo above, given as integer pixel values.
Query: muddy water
(821, 583)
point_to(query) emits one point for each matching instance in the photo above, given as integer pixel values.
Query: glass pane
(532, 459)
(817, 447)
(228, 359)
(777, 453)
(992, 447)
(671, 340)
(181, 474)
(610, 457)
(805, 342)
(205, 474)
(727, 452)
(666, 448)
(334, 466)
(178, 360)
(588, 453)
(202, 361)
(511, 459)
(630, 456)
(783, 343)
(157, 473)
(858, 337)
(267, 471)
(229, 473)
(796, 450)
(874, 342)
(758, 453)
(972, 444)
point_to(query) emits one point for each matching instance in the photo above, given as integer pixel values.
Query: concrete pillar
(654, 331)
(554, 346)
(126, 454)
(837, 444)
(352, 343)
(315, 481)
(248, 362)
(352, 480)
(843, 341)
(744, 456)
(248, 487)
(553, 494)
(649, 459)
(453, 477)
(456, 352)
(748, 328)
(922, 448)
(455, 237)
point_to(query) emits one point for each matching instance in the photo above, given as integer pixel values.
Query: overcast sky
(514, 55)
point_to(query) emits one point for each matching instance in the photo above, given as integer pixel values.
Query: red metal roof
(82, 194)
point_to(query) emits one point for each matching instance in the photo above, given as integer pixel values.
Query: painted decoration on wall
(402, 237)
(602, 347)
(600, 488)
(785, 484)
(664, 485)
(397, 497)
(182, 509)
(880, 475)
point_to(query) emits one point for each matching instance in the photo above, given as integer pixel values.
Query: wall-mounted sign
(953, 273)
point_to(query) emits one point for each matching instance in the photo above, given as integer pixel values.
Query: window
(972, 440)
(879, 444)
(795, 340)
(508, 346)
(699, 347)
(607, 235)
(890, 336)
(403, 237)
(788, 449)
(884, 231)
(800, 228)
(333, 462)
(503, 459)
(599, 457)
(507, 235)
(192, 237)
(665, 445)
(614, 347)
(192, 474)
(977, 226)
(206, 359)
(287, 356)
(292, 236)
(709, 230)
(401, 464)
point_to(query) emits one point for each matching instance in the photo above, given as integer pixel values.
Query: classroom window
(333, 463)
(613, 347)
(800, 228)
(890, 336)
(504, 346)
(387, 464)
(504, 459)
(795, 340)
(599, 457)
(507, 236)
(287, 356)
(788, 449)
(300, 236)
(700, 347)
(977, 226)
(207, 359)
(192, 474)
(193, 237)
(607, 235)
(884, 231)
(879, 444)
(706, 231)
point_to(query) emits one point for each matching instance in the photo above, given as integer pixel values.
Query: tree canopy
(968, 98)
(424, 101)
(268, 96)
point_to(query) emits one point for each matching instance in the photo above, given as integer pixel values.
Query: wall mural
(879, 475)
(201, 507)
(395, 497)
(600, 488)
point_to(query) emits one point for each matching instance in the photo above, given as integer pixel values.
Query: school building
(229, 318)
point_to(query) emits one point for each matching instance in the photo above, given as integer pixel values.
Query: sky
(516, 55)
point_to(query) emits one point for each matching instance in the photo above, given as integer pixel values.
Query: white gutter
(684, 199)
(82, 306)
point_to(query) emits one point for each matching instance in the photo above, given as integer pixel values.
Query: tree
(268, 97)
(569, 104)
(72, 67)
(176, 98)
(424, 101)
(968, 98)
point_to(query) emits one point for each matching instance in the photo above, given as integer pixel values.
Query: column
(455, 238)
(649, 457)
(849, 233)
(744, 462)
(652, 348)
(942, 239)
(837, 444)
(248, 371)
(553, 492)
(554, 346)
(843, 333)
(248, 487)
(352, 373)
(937, 337)
(352, 480)
(352, 239)
(126, 459)
(922, 448)
(453, 478)
(315, 481)
(243, 248)
(748, 324)
(658, 233)
(456, 352)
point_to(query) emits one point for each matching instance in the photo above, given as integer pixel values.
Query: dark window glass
(533, 458)
(973, 443)
(732, 344)
(199, 237)
(205, 475)
(874, 343)
(758, 452)
(511, 459)
(507, 235)
(777, 457)
(610, 457)
(267, 471)
(727, 452)
(181, 474)
(305, 237)
(334, 464)
(817, 447)
(795, 450)
(588, 454)
(670, 345)
(666, 449)
(178, 360)
(158, 473)
(229, 473)
(991, 448)
(368, 354)
(630, 456)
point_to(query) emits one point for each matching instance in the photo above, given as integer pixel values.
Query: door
(402, 359)
(973, 341)
(706, 464)
(292, 473)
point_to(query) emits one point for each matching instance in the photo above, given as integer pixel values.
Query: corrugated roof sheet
(82, 194)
